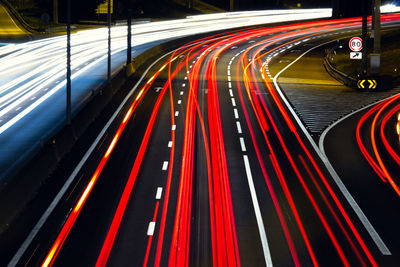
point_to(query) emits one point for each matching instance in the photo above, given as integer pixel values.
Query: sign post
(365, 38)
(376, 56)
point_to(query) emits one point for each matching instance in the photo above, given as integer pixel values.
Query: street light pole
(364, 38)
(129, 50)
(68, 62)
(55, 11)
(376, 56)
(109, 40)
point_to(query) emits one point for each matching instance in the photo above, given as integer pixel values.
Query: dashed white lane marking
(183, 85)
(185, 77)
(179, 102)
(229, 72)
(188, 72)
(33, 98)
(243, 146)
(150, 229)
(257, 211)
(233, 102)
(176, 113)
(231, 92)
(173, 127)
(236, 113)
(229, 78)
(181, 93)
(229, 84)
(18, 108)
(159, 193)
(165, 165)
(239, 127)
(170, 144)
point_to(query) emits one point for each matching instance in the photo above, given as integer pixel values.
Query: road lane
(240, 183)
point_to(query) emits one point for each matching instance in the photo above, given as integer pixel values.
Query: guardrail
(17, 16)
(335, 73)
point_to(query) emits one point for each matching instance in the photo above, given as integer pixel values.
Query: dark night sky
(84, 9)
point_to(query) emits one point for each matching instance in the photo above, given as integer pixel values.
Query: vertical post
(231, 5)
(377, 28)
(109, 40)
(129, 50)
(373, 19)
(364, 38)
(55, 11)
(376, 56)
(68, 62)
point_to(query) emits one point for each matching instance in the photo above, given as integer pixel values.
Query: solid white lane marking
(231, 92)
(229, 85)
(159, 193)
(176, 113)
(170, 144)
(150, 229)
(243, 146)
(181, 93)
(360, 214)
(233, 102)
(239, 127)
(174, 127)
(236, 113)
(165, 165)
(257, 211)
(179, 102)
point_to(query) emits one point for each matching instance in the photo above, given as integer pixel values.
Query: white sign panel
(355, 55)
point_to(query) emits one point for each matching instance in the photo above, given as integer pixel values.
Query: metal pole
(231, 5)
(365, 39)
(55, 11)
(109, 40)
(373, 19)
(377, 22)
(376, 56)
(129, 50)
(69, 62)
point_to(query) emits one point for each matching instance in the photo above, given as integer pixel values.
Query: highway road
(205, 163)
(33, 82)
(370, 135)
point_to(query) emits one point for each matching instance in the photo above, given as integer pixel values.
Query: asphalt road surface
(205, 164)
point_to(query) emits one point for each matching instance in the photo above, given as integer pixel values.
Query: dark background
(85, 9)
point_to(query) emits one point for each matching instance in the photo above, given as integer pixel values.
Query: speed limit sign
(355, 44)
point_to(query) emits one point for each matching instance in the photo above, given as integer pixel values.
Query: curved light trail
(291, 176)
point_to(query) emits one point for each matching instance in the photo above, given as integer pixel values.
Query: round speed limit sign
(355, 44)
